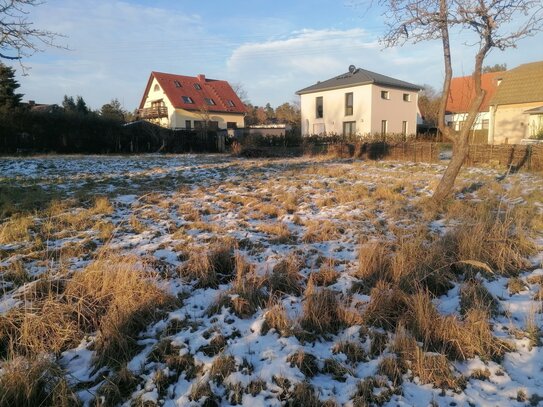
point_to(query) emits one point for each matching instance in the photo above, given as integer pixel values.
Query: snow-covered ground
(164, 207)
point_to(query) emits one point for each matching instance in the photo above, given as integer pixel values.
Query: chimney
(202, 77)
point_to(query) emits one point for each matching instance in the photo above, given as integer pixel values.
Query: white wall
(394, 110)
(368, 110)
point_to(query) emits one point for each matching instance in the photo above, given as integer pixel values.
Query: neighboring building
(460, 96)
(516, 109)
(186, 102)
(359, 102)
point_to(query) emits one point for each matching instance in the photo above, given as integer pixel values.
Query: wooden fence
(513, 156)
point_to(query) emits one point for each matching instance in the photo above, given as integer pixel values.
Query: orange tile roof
(220, 91)
(462, 91)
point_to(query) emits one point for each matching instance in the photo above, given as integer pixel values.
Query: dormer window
(187, 99)
(197, 86)
(209, 101)
(230, 103)
(156, 88)
(177, 84)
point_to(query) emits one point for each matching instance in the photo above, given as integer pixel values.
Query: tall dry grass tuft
(428, 367)
(501, 240)
(374, 260)
(321, 231)
(322, 312)
(387, 305)
(306, 362)
(118, 387)
(246, 294)
(276, 318)
(417, 263)
(285, 277)
(210, 267)
(34, 382)
(457, 339)
(16, 229)
(474, 295)
(113, 295)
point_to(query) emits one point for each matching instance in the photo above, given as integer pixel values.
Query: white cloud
(273, 70)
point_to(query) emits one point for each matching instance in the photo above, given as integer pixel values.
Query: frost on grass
(208, 280)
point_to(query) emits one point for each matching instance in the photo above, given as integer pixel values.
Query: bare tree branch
(18, 37)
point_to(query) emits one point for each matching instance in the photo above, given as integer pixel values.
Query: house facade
(359, 102)
(187, 102)
(461, 94)
(516, 109)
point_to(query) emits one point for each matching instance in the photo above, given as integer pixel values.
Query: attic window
(385, 94)
(177, 84)
(406, 97)
(197, 86)
(187, 99)
(230, 103)
(156, 88)
(209, 101)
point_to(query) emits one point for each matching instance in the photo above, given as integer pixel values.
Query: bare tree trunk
(460, 141)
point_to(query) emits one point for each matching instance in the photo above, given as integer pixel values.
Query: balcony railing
(153, 112)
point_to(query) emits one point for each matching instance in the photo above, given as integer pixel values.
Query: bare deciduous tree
(496, 24)
(18, 36)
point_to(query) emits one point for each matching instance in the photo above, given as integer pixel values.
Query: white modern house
(359, 102)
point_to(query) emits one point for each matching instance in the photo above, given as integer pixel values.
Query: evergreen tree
(113, 110)
(8, 85)
(68, 104)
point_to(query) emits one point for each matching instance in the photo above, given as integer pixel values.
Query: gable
(523, 84)
(196, 93)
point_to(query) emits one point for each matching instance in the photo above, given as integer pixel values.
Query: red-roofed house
(187, 102)
(460, 96)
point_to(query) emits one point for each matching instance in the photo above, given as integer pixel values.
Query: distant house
(359, 102)
(516, 108)
(460, 96)
(187, 102)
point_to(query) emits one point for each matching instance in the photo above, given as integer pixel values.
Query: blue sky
(271, 48)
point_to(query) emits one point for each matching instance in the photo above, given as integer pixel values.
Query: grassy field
(210, 280)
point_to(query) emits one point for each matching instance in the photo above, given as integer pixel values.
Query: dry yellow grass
(112, 295)
(210, 266)
(276, 318)
(321, 231)
(279, 232)
(34, 382)
(374, 260)
(285, 277)
(322, 312)
(16, 229)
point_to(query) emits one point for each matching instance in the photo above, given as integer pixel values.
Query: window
(231, 125)
(319, 108)
(384, 126)
(385, 94)
(349, 129)
(187, 124)
(230, 103)
(349, 104)
(177, 84)
(156, 88)
(187, 99)
(209, 101)
(404, 128)
(406, 97)
(197, 86)
(485, 123)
